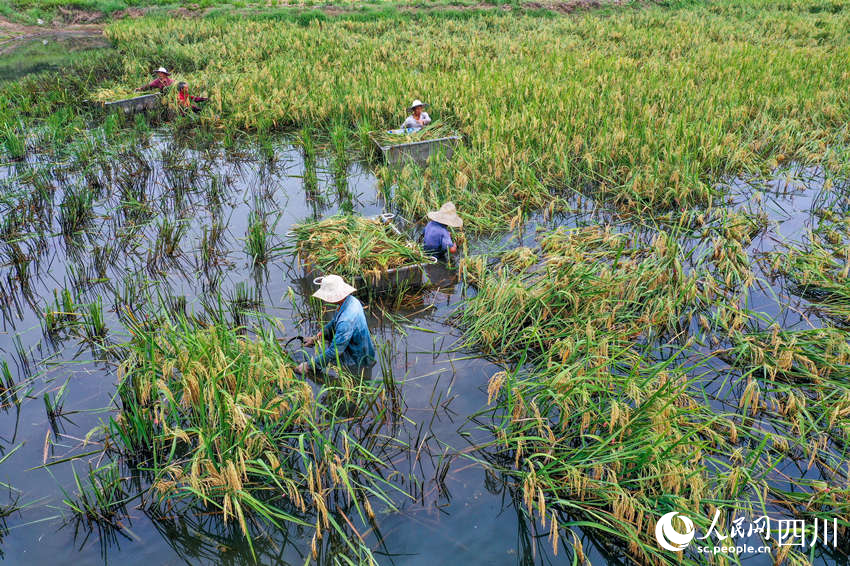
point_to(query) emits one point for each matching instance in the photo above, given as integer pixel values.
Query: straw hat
(162, 70)
(332, 289)
(447, 215)
(416, 103)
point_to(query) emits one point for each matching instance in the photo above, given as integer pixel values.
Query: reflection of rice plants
(244, 300)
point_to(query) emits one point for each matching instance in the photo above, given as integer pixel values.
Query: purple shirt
(437, 237)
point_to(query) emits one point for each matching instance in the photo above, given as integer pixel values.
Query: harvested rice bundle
(114, 93)
(432, 131)
(354, 246)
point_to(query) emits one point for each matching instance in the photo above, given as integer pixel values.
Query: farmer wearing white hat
(418, 117)
(161, 81)
(437, 238)
(350, 342)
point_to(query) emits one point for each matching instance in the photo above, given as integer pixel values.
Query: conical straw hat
(333, 289)
(447, 215)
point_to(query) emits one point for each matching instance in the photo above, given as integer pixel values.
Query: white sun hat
(162, 70)
(332, 288)
(416, 103)
(447, 215)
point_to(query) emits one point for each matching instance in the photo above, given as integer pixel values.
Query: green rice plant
(592, 427)
(308, 147)
(14, 144)
(339, 144)
(258, 244)
(221, 419)
(94, 324)
(795, 384)
(8, 387)
(76, 211)
(55, 406)
(593, 278)
(169, 235)
(102, 498)
(62, 313)
(608, 121)
(819, 274)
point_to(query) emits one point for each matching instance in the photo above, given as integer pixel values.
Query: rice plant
(223, 420)
(101, 498)
(257, 240)
(76, 211)
(55, 405)
(14, 143)
(607, 120)
(93, 322)
(169, 236)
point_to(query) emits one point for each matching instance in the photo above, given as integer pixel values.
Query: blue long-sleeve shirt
(347, 335)
(437, 237)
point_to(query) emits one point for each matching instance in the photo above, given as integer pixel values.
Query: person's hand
(309, 342)
(301, 368)
(453, 249)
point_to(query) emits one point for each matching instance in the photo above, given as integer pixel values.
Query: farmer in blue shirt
(437, 238)
(350, 343)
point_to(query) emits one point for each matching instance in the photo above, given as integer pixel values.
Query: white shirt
(413, 124)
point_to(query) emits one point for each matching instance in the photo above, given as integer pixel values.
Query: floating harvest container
(418, 151)
(406, 277)
(133, 105)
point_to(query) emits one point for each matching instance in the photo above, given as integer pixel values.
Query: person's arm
(410, 122)
(425, 119)
(342, 336)
(448, 244)
(199, 98)
(328, 329)
(150, 86)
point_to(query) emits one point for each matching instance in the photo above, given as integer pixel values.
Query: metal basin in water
(417, 152)
(136, 104)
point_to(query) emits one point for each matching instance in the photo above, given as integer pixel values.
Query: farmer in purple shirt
(437, 238)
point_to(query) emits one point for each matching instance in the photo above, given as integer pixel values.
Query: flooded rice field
(166, 227)
(92, 245)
